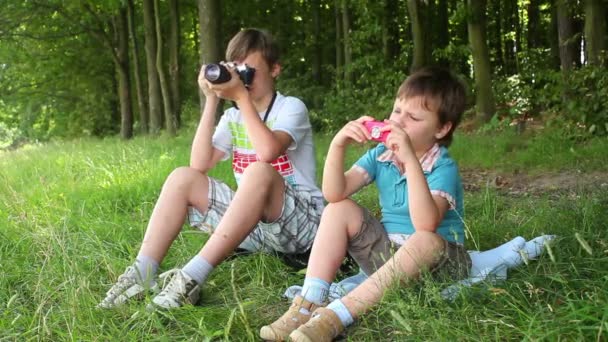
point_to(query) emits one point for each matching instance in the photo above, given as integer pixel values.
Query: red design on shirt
(240, 161)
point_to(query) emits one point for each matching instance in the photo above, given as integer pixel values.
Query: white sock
(535, 247)
(146, 268)
(507, 254)
(315, 290)
(342, 312)
(198, 269)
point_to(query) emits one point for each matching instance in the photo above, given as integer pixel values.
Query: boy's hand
(353, 131)
(203, 84)
(233, 90)
(399, 141)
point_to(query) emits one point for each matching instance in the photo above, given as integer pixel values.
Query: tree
(141, 100)
(154, 95)
(209, 14)
(174, 65)
(170, 122)
(348, 52)
(534, 24)
(595, 31)
(338, 43)
(484, 96)
(122, 69)
(566, 35)
(416, 10)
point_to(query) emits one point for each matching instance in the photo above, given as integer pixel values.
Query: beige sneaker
(299, 313)
(324, 326)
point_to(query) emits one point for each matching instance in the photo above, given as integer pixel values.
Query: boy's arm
(268, 144)
(426, 210)
(203, 155)
(337, 184)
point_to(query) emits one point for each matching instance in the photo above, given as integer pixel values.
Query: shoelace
(177, 282)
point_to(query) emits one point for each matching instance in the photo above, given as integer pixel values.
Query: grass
(72, 215)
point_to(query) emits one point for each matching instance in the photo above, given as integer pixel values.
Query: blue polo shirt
(442, 177)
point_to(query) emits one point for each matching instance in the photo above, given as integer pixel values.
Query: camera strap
(274, 96)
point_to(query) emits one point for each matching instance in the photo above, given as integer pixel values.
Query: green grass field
(72, 216)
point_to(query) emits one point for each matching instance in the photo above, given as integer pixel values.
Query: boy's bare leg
(259, 197)
(421, 250)
(184, 187)
(340, 222)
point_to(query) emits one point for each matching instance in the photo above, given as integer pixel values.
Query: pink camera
(373, 127)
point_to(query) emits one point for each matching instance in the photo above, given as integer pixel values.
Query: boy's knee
(184, 178)
(342, 207)
(428, 240)
(260, 173)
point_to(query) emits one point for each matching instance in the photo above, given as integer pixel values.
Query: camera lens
(217, 73)
(212, 72)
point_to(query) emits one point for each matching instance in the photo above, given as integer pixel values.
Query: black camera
(218, 73)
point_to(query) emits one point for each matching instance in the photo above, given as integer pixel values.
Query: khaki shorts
(371, 248)
(292, 233)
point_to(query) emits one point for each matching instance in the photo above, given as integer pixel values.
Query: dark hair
(442, 92)
(253, 40)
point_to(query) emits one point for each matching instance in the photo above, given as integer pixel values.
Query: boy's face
(263, 80)
(420, 123)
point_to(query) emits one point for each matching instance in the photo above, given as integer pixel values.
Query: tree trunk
(317, 52)
(141, 101)
(534, 24)
(390, 30)
(122, 68)
(174, 65)
(484, 96)
(348, 55)
(209, 15)
(443, 33)
(170, 124)
(553, 38)
(565, 30)
(339, 45)
(595, 31)
(509, 31)
(154, 95)
(494, 31)
(418, 32)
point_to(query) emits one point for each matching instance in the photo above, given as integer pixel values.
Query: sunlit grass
(72, 216)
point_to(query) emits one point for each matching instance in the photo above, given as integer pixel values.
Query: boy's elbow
(333, 197)
(267, 155)
(427, 226)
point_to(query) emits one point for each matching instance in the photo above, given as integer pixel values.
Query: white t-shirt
(288, 114)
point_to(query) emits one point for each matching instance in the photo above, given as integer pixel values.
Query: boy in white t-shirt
(277, 205)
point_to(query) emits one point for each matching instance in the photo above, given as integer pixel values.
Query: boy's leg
(182, 188)
(259, 197)
(340, 222)
(422, 250)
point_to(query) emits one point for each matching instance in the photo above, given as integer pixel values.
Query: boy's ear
(443, 130)
(275, 70)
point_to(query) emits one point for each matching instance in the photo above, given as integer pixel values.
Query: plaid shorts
(372, 247)
(292, 233)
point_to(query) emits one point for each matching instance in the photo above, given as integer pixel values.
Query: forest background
(80, 68)
(98, 103)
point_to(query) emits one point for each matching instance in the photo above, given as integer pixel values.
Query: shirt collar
(427, 161)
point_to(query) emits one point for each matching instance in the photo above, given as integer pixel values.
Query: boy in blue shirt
(421, 197)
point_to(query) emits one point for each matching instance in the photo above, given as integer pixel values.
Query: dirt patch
(520, 184)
